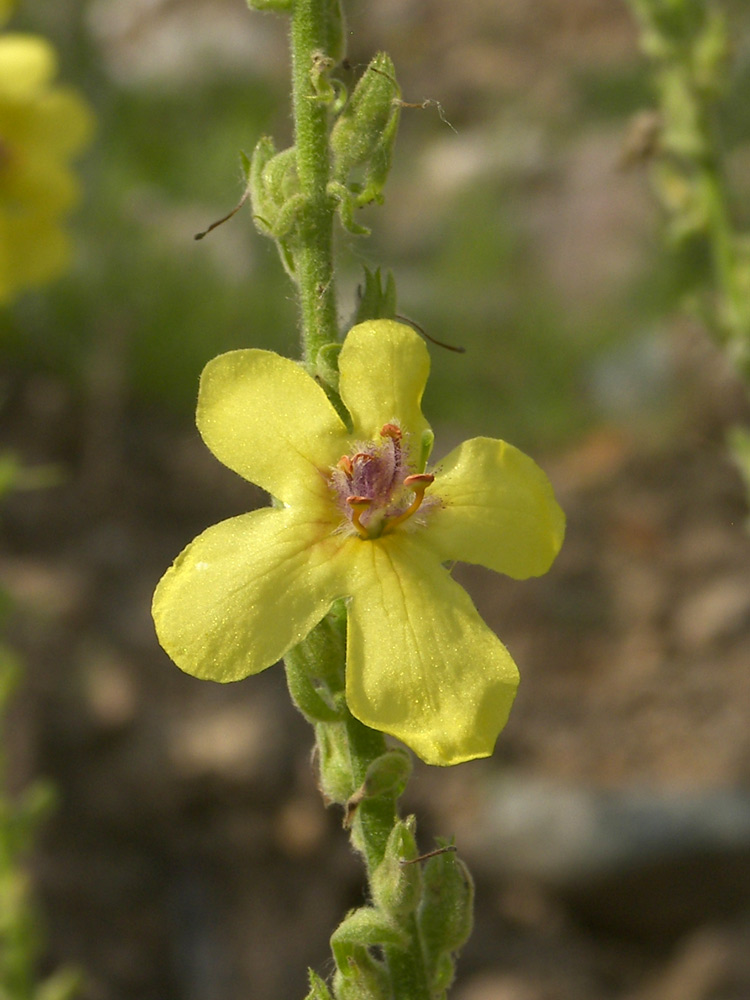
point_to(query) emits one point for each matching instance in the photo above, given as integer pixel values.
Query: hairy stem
(314, 256)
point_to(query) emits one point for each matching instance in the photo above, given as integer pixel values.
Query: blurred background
(190, 856)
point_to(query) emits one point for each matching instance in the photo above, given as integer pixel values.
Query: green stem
(375, 817)
(374, 821)
(314, 254)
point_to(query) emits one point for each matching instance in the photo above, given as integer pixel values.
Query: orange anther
(391, 431)
(418, 483)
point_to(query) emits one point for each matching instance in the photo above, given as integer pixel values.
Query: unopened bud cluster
(688, 44)
(362, 135)
(418, 906)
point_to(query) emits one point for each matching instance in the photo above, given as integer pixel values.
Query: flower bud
(273, 182)
(369, 119)
(386, 775)
(396, 886)
(334, 766)
(366, 979)
(445, 912)
(361, 929)
(379, 166)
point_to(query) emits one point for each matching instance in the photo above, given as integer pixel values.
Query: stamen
(418, 484)
(345, 464)
(391, 431)
(359, 505)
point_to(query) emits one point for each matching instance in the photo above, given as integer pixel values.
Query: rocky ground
(190, 855)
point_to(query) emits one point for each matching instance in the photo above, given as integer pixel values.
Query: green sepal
(312, 700)
(396, 886)
(443, 974)
(361, 929)
(318, 989)
(263, 203)
(445, 913)
(315, 673)
(386, 775)
(327, 365)
(379, 166)
(323, 653)
(345, 205)
(276, 5)
(366, 979)
(274, 191)
(334, 766)
(377, 299)
(320, 76)
(369, 119)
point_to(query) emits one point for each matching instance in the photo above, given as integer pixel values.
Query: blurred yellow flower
(42, 126)
(361, 519)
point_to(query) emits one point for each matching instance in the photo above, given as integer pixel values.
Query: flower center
(375, 487)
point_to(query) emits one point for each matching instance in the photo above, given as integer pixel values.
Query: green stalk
(373, 823)
(346, 751)
(314, 255)
(316, 34)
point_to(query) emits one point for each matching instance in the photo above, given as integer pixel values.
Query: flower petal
(421, 663)
(265, 418)
(498, 510)
(244, 592)
(384, 367)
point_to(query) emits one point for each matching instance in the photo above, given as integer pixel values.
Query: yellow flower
(41, 128)
(359, 518)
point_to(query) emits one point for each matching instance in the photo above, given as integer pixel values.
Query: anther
(359, 505)
(345, 464)
(418, 483)
(391, 431)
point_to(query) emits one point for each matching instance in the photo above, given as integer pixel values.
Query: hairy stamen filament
(418, 484)
(359, 505)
